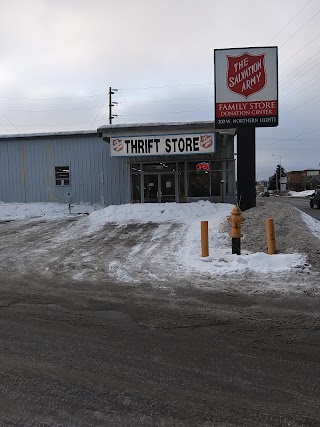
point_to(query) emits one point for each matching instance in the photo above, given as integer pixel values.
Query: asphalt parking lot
(97, 353)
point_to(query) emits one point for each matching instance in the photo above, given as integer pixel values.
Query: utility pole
(111, 104)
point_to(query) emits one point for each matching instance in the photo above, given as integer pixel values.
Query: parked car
(315, 199)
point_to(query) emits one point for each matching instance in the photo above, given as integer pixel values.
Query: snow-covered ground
(17, 211)
(305, 193)
(186, 237)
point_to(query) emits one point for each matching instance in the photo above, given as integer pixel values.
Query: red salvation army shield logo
(246, 74)
(206, 141)
(117, 145)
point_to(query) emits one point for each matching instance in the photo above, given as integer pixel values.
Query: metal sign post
(246, 166)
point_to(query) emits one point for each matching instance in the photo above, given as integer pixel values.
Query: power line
(102, 118)
(289, 21)
(292, 56)
(104, 101)
(299, 77)
(164, 100)
(55, 124)
(293, 138)
(306, 133)
(290, 139)
(300, 105)
(286, 162)
(295, 69)
(299, 29)
(10, 122)
(163, 112)
(51, 110)
(168, 86)
(288, 95)
(5, 128)
(51, 99)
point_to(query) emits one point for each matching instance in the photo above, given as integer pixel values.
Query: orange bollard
(270, 236)
(204, 239)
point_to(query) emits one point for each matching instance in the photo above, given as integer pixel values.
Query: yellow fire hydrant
(236, 219)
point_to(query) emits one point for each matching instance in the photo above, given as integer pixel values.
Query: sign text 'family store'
(246, 87)
(159, 145)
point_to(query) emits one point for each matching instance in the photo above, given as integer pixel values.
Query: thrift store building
(136, 163)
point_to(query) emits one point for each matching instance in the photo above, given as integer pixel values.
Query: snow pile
(156, 240)
(183, 213)
(220, 260)
(15, 211)
(305, 193)
(312, 223)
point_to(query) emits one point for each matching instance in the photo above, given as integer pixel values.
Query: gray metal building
(56, 166)
(79, 167)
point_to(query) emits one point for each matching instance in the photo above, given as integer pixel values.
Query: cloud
(56, 49)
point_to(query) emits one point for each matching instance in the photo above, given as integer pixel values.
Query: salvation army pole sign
(246, 87)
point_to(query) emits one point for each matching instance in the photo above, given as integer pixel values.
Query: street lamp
(277, 155)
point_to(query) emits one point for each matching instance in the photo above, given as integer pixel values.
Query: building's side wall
(116, 176)
(27, 170)
(12, 172)
(295, 181)
(303, 180)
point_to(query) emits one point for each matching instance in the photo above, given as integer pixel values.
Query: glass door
(159, 188)
(168, 187)
(151, 188)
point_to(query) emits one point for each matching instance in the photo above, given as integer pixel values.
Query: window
(62, 174)
(182, 181)
(199, 184)
(136, 191)
(216, 177)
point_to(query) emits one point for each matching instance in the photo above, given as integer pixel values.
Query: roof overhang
(135, 129)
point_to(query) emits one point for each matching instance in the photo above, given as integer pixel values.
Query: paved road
(298, 202)
(94, 353)
(140, 356)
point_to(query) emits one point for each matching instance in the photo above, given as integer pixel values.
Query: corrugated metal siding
(117, 178)
(83, 156)
(33, 168)
(12, 178)
(27, 170)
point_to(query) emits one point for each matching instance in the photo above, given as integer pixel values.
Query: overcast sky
(59, 57)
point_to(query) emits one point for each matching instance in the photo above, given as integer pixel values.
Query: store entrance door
(167, 187)
(159, 188)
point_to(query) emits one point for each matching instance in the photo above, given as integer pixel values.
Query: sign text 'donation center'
(246, 87)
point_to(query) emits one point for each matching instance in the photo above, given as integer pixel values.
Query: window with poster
(62, 175)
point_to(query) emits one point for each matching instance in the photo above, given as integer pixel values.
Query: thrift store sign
(246, 87)
(159, 145)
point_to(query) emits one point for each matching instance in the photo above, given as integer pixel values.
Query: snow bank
(15, 211)
(157, 213)
(312, 223)
(305, 193)
(188, 215)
